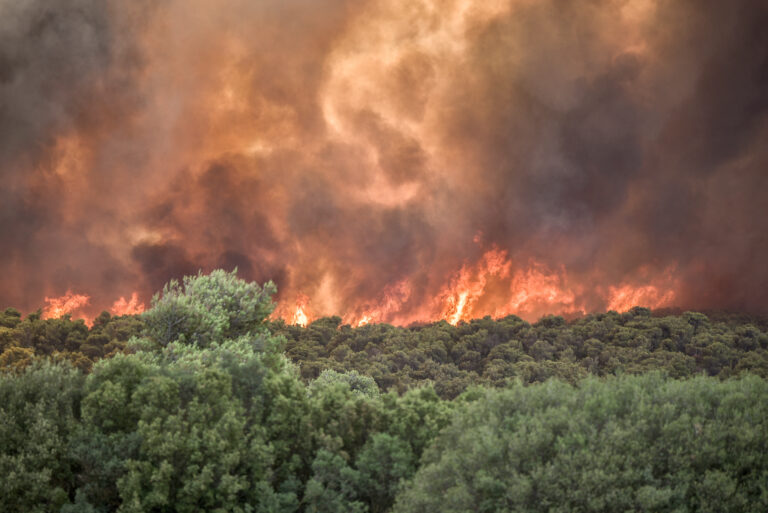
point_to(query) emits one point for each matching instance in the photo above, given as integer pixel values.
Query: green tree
(633, 443)
(207, 308)
(333, 486)
(384, 462)
(358, 383)
(37, 415)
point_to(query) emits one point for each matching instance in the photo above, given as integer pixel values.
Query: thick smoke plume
(387, 160)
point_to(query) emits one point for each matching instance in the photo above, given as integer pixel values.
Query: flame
(624, 297)
(537, 291)
(468, 286)
(365, 319)
(300, 316)
(648, 289)
(66, 304)
(394, 299)
(127, 307)
(491, 287)
(71, 303)
(355, 159)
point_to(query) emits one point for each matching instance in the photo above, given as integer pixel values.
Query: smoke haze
(388, 160)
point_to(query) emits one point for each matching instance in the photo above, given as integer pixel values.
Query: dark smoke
(341, 148)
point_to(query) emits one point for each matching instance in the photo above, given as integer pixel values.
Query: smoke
(379, 156)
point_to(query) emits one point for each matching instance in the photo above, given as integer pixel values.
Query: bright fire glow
(468, 286)
(537, 290)
(128, 307)
(66, 304)
(495, 286)
(626, 296)
(396, 162)
(394, 299)
(300, 314)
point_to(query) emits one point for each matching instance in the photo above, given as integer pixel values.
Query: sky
(386, 161)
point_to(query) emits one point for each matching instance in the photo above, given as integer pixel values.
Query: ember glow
(389, 160)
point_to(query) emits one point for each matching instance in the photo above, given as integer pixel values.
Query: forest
(206, 403)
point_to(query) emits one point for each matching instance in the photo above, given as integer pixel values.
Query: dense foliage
(498, 352)
(34, 338)
(629, 444)
(451, 358)
(194, 406)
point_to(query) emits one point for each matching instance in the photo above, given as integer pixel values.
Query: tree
(37, 415)
(10, 318)
(205, 308)
(382, 465)
(358, 383)
(629, 443)
(333, 486)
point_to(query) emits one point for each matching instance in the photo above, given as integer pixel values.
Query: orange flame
(300, 316)
(490, 287)
(66, 304)
(530, 293)
(538, 291)
(468, 286)
(649, 291)
(127, 307)
(626, 296)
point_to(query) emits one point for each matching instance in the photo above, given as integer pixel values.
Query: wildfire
(394, 299)
(468, 286)
(372, 156)
(539, 290)
(73, 304)
(495, 286)
(626, 296)
(66, 304)
(127, 307)
(300, 317)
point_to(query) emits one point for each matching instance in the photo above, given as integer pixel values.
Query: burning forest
(386, 161)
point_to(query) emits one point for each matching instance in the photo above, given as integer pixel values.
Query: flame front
(300, 315)
(656, 293)
(69, 303)
(491, 288)
(128, 307)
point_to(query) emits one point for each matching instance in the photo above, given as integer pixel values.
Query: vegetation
(641, 443)
(196, 406)
(499, 352)
(484, 352)
(24, 341)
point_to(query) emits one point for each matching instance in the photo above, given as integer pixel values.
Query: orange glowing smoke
(129, 307)
(624, 297)
(537, 290)
(490, 287)
(354, 154)
(66, 304)
(394, 299)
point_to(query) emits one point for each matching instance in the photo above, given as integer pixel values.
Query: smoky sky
(343, 148)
